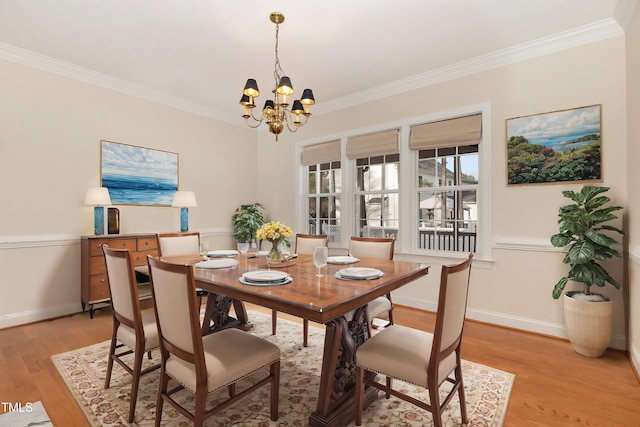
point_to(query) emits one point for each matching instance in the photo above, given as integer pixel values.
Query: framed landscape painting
(137, 175)
(560, 146)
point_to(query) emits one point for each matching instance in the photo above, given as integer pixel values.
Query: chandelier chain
(278, 72)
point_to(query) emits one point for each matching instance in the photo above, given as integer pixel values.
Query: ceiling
(197, 54)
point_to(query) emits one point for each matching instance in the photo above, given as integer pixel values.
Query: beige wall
(50, 135)
(514, 287)
(633, 217)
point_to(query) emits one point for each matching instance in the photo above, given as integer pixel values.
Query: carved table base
(336, 406)
(216, 314)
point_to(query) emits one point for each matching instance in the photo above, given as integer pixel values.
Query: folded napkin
(217, 263)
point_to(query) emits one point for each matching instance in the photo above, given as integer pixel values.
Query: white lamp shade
(184, 199)
(97, 196)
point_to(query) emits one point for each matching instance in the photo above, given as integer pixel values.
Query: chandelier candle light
(276, 113)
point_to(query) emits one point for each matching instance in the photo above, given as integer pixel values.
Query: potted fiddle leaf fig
(583, 228)
(247, 220)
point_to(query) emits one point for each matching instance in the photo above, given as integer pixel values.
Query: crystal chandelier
(275, 112)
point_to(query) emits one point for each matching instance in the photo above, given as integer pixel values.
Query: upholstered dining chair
(203, 364)
(132, 327)
(305, 245)
(379, 248)
(178, 244)
(418, 357)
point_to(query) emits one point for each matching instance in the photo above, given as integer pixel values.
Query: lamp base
(98, 220)
(184, 219)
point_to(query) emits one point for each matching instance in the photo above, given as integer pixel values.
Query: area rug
(83, 370)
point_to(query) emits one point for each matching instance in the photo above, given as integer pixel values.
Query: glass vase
(275, 254)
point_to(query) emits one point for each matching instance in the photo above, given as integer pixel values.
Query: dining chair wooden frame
(381, 248)
(190, 358)
(132, 328)
(304, 246)
(418, 357)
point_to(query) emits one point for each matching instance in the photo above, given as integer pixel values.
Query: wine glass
(204, 250)
(320, 255)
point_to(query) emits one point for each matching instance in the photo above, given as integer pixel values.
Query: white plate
(217, 263)
(285, 281)
(342, 260)
(265, 276)
(222, 253)
(359, 273)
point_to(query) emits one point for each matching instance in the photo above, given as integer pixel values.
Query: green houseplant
(588, 316)
(247, 220)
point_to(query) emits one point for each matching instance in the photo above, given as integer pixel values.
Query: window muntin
(377, 207)
(323, 200)
(447, 192)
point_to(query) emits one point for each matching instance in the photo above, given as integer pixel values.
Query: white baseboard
(521, 323)
(23, 317)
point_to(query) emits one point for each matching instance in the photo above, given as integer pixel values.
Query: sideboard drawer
(97, 265)
(140, 257)
(96, 245)
(147, 244)
(99, 287)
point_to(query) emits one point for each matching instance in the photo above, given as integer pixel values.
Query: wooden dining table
(337, 303)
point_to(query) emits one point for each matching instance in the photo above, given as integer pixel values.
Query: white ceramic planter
(589, 325)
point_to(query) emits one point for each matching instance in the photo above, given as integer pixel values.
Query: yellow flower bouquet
(275, 233)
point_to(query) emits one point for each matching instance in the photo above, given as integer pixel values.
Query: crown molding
(576, 37)
(51, 65)
(580, 36)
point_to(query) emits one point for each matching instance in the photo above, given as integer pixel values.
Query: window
(323, 189)
(323, 200)
(447, 214)
(376, 196)
(377, 183)
(448, 180)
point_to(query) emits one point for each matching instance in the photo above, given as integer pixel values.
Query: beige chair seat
(127, 335)
(378, 307)
(229, 355)
(380, 354)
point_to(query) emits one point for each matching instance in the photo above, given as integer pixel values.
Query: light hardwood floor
(554, 386)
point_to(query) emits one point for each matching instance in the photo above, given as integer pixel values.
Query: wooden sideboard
(93, 270)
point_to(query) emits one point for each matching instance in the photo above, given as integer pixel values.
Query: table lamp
(184, 200)
(97, 197)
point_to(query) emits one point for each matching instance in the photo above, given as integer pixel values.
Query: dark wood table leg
(336, 406)
(216, 314)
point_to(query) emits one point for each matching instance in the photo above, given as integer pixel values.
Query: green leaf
(561, 240)
(581, 252)
(559, 287)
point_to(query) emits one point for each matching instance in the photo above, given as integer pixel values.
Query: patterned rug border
(488, 389)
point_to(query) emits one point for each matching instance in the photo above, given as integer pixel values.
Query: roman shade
(373, 144)
(447, 133)
(321, 153)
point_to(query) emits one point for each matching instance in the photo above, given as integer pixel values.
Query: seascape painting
(560, 146)
(137, 175)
